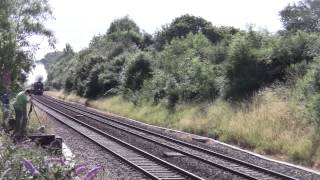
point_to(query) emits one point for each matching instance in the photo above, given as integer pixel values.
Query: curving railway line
(154, 167)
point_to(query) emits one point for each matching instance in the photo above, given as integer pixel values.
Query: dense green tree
(69, 82)
(182, 26)
(19, 20)
(147, 40)
(109, 77)
(92, 86)
(305, 15)
(247, 66)
(122, 36)
(124, 24)
(187, 62)
(192, 65)
(307, 90)
(68, 50)
(137, 71)
(183, 50)
(291, 50)
(51, 58)
(82, 72)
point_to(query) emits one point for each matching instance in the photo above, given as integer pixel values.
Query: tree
(51, 58)
(185, 61)
(20, 20)
(68, 50)
(247, 67)
(122, 34)
(182, 26)
(302, 16)
(123, 24)
(92, 88)
(137, 70)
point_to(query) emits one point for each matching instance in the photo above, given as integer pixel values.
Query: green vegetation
(302, 16)
(27, 160)
(20, 20)
(249, 87)
(14, 158)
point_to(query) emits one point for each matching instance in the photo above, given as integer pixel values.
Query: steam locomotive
(38, 88)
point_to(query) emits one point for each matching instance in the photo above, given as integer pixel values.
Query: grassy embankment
(270, 124)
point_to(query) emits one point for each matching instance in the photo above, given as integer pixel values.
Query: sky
(77, 21)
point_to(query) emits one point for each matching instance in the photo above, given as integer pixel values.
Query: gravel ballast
(201, 169)
(86, 152)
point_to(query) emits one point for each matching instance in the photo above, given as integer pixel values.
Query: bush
(69, 83)
(122, 25)
(137, 71)
(155, 88)
(92, 86)
(307, 91)
(185, 61)
(245, 71)
(182, 26)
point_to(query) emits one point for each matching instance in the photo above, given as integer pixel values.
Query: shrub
(245, 71)
(92, 86)
(185, 61)
(122, 25)
(182, 26)
(136, 71)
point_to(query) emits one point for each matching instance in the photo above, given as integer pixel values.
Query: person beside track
(20, 107)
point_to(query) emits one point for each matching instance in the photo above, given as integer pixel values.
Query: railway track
(235, 166)
(143, 161)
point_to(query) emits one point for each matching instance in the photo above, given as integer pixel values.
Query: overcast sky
(77, 21)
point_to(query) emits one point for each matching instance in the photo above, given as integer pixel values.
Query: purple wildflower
(36, 173)
(30, 167)
(80, 169)
(92, 173)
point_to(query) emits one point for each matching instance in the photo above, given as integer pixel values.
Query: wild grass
(37, 119)
(269, 124)
(68, 97)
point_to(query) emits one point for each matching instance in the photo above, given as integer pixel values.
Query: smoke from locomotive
(38, 87)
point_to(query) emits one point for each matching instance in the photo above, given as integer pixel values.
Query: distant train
(38, 88)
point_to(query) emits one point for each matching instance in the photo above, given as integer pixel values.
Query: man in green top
(20, 107)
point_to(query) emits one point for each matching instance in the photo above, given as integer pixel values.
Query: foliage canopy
(20, 20)
(190, 60)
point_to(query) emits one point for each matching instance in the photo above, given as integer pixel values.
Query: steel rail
(146, 154)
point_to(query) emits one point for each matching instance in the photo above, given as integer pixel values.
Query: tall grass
(39, 119)
(269, 124)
